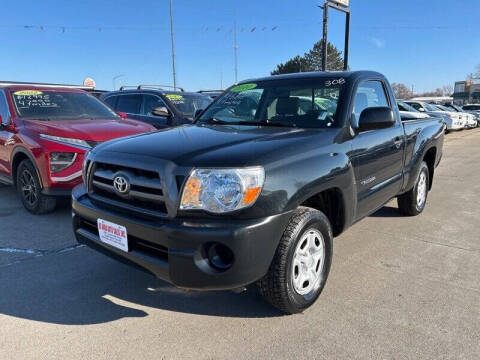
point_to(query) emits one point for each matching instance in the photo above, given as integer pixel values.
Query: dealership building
(467, 92)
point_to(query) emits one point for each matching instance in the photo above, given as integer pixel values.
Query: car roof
(41, 88)
(153, 91)
(318, 75)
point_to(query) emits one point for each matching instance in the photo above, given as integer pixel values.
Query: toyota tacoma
(257, 188)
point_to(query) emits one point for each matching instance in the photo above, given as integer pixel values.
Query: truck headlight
(222, 190)
(61, 160)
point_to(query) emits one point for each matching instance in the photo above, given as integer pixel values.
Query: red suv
(44, 134)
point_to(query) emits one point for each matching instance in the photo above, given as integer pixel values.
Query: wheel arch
(430, 158)
(332, 203)
(18, 155)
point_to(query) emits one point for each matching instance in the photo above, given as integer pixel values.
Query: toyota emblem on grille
(121, 184)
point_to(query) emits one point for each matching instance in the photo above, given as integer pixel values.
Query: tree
(294, 65)
(447, 90)
(312, 60)
(401, 91)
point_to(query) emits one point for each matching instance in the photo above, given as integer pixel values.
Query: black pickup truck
(256, 189)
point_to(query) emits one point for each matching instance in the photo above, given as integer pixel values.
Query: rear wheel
(301, 264)
(413, 202)
(30, 192)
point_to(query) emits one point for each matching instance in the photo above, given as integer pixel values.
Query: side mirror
(421, 109)
(197, 113)
(122, 114)
(375, 118)
(161, 111)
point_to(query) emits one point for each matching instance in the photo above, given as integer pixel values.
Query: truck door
(5, 136)
(377, 155)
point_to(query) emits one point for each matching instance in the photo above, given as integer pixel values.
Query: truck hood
(221, 145)
(89, 130)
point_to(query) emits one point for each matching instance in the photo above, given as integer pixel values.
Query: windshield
(188, 104)
(57, 105)
(298, 103)
(444, 108)
(405, 107)
(431, 107)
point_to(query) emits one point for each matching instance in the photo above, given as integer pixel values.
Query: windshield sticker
(340, 81)
(39, 99)
(28, 92)
(243, 87)
(175, 98)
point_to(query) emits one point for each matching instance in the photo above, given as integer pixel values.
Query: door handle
(398, 142)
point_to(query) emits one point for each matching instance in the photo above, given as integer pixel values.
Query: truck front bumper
(178, 250)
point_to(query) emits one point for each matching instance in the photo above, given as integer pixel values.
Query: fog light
(219, 256)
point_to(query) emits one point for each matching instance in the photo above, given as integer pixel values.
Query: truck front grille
(145, 195)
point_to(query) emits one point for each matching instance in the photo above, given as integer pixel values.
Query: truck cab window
(369, 94)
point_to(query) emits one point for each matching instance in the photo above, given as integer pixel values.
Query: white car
(470, 119)
(409, 113)
(453, 120)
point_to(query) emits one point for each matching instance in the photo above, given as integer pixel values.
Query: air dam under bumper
(174, 250)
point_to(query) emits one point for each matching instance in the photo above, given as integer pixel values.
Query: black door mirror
(374, 118)
(197, 113)
(161, 111)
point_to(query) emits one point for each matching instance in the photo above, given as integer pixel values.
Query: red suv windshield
(56, 105)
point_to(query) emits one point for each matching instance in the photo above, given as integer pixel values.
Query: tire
(412, 202)
(30, 191)
(285, 285)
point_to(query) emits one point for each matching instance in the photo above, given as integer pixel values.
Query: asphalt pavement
(399, 288)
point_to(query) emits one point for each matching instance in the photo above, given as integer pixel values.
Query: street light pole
(235, 46)
(173, 48)
(115, 78)
(342, 6)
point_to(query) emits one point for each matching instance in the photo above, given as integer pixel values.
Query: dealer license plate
(113, 234)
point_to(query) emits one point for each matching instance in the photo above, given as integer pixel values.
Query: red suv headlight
(61, 160)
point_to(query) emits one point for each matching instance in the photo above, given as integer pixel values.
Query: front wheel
(301, 264)
(413, 202)
(30, 192)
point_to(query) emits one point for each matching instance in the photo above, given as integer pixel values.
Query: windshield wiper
(214, 120)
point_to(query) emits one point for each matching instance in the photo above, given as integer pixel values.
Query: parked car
(256, 191)
(472, 107)
(155, 106)
(44, 134)
(473, 118)
(451, 119)
(408, 112)
(470, 121)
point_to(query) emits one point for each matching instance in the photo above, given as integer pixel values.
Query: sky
(425, 44)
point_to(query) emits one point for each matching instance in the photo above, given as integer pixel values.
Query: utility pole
(173, 48)
(235, 46)
(325, 36)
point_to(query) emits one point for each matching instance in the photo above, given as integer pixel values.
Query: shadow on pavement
(82, 287)
(387, 212)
